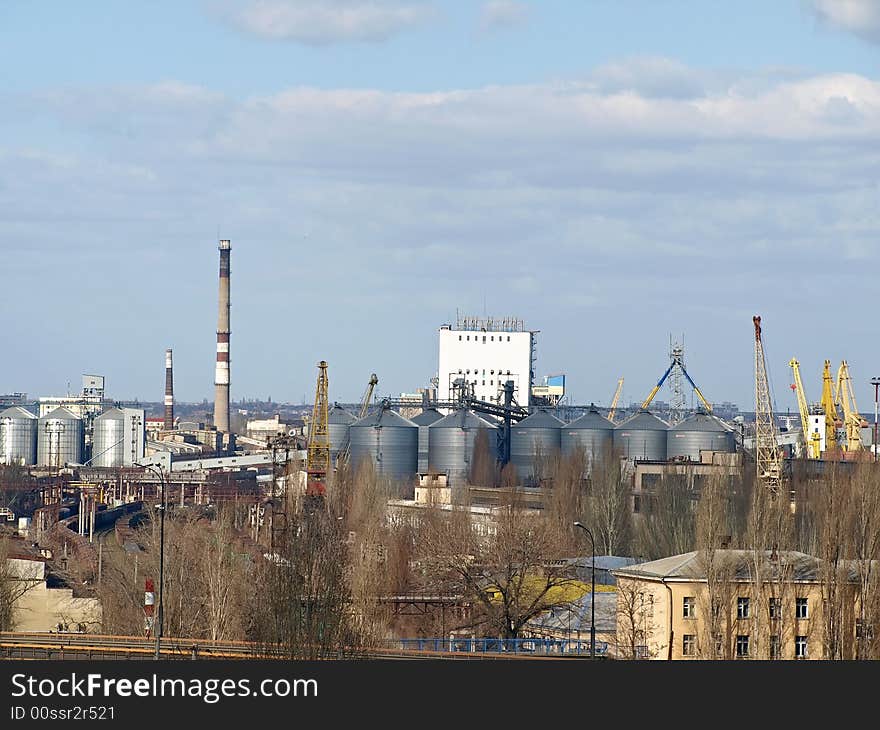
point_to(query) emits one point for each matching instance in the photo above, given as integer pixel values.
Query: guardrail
(531, 646)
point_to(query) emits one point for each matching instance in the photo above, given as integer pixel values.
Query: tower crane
(846, 399)
(767, 457)
(812, 441)
(832, 420)
(615, 399)
(677, 362)
(318, 450)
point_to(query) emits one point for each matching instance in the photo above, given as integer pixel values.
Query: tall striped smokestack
(221, 371)
(169, 392)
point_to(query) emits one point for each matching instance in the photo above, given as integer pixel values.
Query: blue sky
(610, 172)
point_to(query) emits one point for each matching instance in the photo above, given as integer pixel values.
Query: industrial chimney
(169, 392)
(221, 372)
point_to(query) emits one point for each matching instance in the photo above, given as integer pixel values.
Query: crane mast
(318, 452)
(767, 457)
(832, 420)
(845, 397)
(615, 399)
(812, 441)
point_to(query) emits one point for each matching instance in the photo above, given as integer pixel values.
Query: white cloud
(498, 14)
(320, 22)
(861, 17)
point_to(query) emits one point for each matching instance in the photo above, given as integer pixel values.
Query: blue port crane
(676, 363)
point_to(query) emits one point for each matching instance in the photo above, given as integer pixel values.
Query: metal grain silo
(389, 440)
(592, 433)
(108, 439)
(423, 420)
(59, 438)
(18, 437)
(539, 432)
(338, 422)
(642, 436)
(451, 443)
(699, 432)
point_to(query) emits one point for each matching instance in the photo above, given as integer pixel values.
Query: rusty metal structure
(767, 456)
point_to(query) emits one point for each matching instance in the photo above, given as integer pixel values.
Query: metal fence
(535, 646)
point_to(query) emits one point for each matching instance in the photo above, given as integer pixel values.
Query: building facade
(485, 353)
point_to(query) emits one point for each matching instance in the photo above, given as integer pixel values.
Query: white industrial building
(485, 353)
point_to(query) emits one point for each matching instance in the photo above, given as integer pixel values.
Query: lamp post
(161, 508)
(592, 590)
(876, 383)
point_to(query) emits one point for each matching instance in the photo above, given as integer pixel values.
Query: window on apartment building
(775, 646)
(742, 646)
(716, 639)
(459, 338)
(637, 503)
(800, 608)
(484, 382)
(775, 608)
(864, 631)
(742, 607)
(800, 647)
(484, 339)
(688, 645)
(508, 338)
(689, 608)
(491, 382)
(468, 338)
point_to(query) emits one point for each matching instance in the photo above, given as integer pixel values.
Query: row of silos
(55, 439)
(399, 447)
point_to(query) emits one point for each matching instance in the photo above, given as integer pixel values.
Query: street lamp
(161, 508)
(592, 590)
(876, 383)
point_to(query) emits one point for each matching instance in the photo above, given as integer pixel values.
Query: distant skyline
(608, 171)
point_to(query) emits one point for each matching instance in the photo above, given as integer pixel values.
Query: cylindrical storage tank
(423, 420)
(641, 436)
(699, 432)
(338, 422)
(451, 442)
(389, 440)
(108, 445)
(59, 438)
(592, 433)
(539, 432)
(18, 437)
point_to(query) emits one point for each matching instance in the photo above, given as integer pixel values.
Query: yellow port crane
(832, 420)
(846, 399)
(812, 441)
(318, 450)
(615, 399)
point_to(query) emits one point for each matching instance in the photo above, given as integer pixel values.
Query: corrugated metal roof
(577, 616)
(692, 566)
(18, 412)
(384, 418)
(62, 414)
(541, 418)
(111, 414)
(339, 415)
(462, 418)
(592, 420)
(643, 421)
(703, 422)
(427, 417)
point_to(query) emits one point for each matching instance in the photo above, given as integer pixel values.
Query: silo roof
(61, 413)
(111, 414)
(17, 412)
(643, 421)
(427, 417)
(338, 415)
(702, 422)
(540, 419)
(592, 419)
(462, 418)
(385, 418)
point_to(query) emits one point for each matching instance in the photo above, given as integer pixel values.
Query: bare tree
(666, 526)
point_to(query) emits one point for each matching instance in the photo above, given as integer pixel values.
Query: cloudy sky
(610, 171)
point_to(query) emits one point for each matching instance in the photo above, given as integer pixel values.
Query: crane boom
(811, 440)
(345, 451)
(615, 399)
(676, 362)
(767, 456)
(318, 451)
(657, 387)
(845, 397)
(832, 420)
